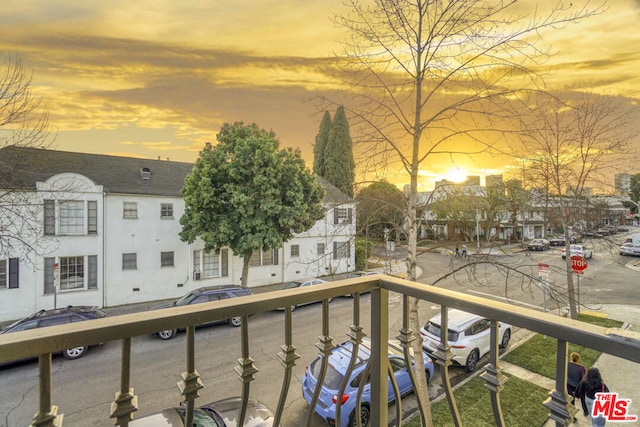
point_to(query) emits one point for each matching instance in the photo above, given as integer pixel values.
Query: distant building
(106, 230)
(493, 180)
(622, 184)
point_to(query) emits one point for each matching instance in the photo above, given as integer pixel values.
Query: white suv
(469, 337)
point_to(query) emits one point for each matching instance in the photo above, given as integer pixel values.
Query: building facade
(103, 230)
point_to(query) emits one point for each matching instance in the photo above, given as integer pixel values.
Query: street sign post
(543, 278)
(578, 266)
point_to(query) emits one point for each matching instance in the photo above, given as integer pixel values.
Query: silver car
(223, 413)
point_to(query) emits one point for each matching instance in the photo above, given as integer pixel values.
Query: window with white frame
(214, 264)
(9, 276)
(130, 261)
(166, 259)
(166, 210)
(295, 251)
(74, 273)
(68, 217)
(129, 210)
(320, 248)
(260, 257)
(342, 215)
(341, 250)
(71, 217)
(71, 273)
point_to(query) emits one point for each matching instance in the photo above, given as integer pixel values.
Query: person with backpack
(575, 373)
(590, 385)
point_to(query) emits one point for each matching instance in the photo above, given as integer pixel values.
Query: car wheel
(167, 334)
(74, 353)
(505, 339)
(235, 321)
(365, 417)
(472, 361)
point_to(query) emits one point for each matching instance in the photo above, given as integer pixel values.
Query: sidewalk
(620, 375)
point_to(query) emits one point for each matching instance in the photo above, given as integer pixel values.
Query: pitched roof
(22, 167)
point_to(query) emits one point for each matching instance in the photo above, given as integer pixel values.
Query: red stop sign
(578, 263)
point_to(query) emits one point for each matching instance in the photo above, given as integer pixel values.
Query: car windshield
(434, 329)
(291, 285)
(185, 300)
(201, 418)
(332, 378)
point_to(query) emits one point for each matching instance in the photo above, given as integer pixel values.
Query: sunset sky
(157, 78)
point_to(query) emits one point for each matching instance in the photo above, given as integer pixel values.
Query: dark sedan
(538, 245)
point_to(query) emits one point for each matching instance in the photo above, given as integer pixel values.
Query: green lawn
(538, 354)
(474, 405)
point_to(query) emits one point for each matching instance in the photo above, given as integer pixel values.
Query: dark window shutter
(335, 215)
(49, 217)
(275, 257)
(48, 275)
(349, 214)
(14, 270)
(335, 250)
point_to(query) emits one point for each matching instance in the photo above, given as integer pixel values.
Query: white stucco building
(104, 230)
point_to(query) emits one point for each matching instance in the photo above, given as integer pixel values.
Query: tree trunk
(245, 269)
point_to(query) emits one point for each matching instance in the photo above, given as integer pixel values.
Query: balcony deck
(43, 342)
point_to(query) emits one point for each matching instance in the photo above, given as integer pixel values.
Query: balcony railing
(45, 341)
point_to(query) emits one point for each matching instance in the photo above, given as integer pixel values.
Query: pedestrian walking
(457, 253)
(575, 373)
(590, 385)
(464, 250)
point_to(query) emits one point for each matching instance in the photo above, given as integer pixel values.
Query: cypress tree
(321, 144)
(339, 166)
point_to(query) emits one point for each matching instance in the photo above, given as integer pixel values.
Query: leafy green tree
(380, 206)
(321, 144)
(635, 190)
(339, 166)
(247, 194)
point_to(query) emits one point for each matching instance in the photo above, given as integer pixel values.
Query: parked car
(361, 273)
(311, 282)
(58, 316)
(578, 250)
(468, 336)
(538, 245)
(206, 294)
(223, 413)
(559, 241)
(622, 228)
(630, 249)
(337, 367)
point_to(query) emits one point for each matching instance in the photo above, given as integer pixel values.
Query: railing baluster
(47, 415)
(288, 357)
(125, 403)
(245, 370)
(561, 411)
(379, 350)
(191, 384)
(444, 355)
(325, 345)
(406, 339)
(493, 374)
(356, 336)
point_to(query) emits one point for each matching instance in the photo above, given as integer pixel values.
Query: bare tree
(23, 123)
(438, 77)
(570, 145)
